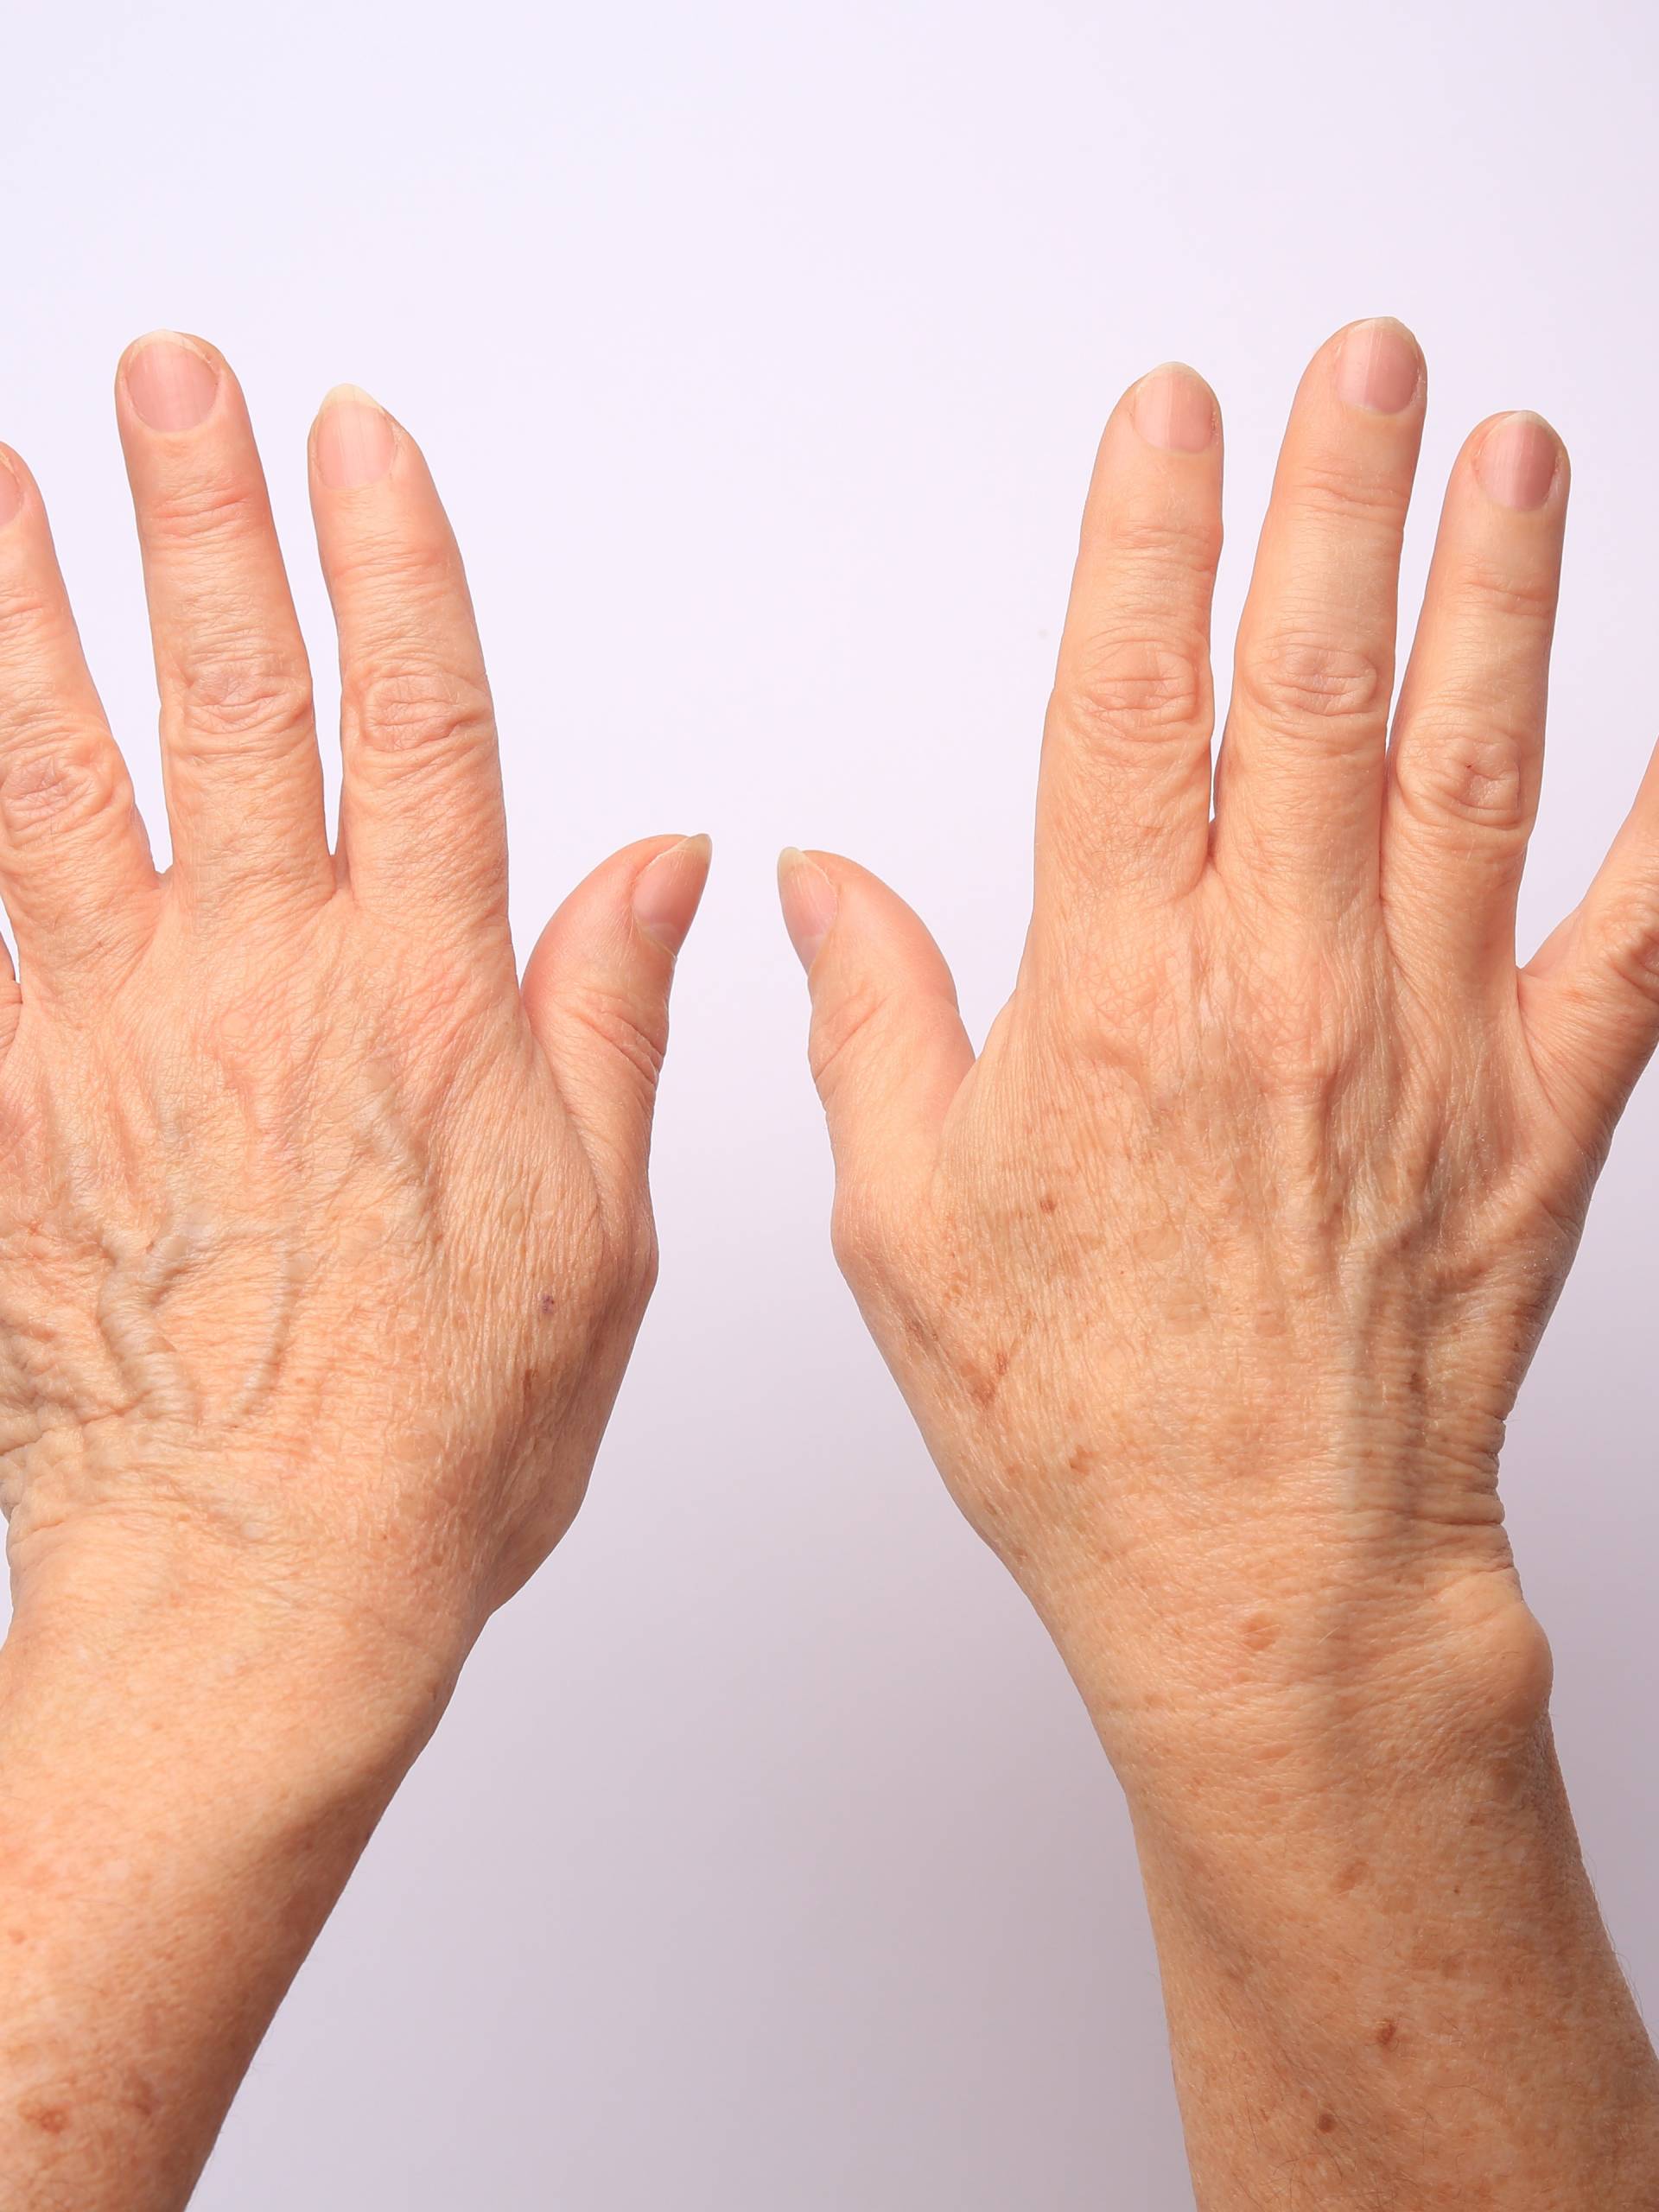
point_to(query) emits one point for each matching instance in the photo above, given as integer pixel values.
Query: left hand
(323, 1245)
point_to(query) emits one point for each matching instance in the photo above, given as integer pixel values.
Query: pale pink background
(765, 1859)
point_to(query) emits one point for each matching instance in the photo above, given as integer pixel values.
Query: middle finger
(1300, 783)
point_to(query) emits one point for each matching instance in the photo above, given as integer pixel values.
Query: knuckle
(637, 1037)
(858, 1235)
(1463, 775)
(1304, 1049)
(1290, 679)
(838, 1032)
(1129, 689)
(239, 693)
(631, 1259)
(32, 623)
(417, 715)
(388, 572)
(1625, 938)
(1304, 1062)
(194, 509)
(1335, 492)
(1180, 549)
(1509, 594)
(59, 783)
(643, 1264)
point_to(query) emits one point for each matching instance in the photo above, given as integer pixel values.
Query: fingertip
(171, 380)
(353, 438)
(1378, 366)
(1174, 410)
(1519, 459)
(809, 902)
(13, 486)
(669, 889)
(161, 335)
(1377, 325)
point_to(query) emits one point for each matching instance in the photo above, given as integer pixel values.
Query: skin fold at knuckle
(60, 784)
(1624, 939)
(1289, 679)
(200, 512)
(35, 627)
(242, 690)
(1520, 596)
(1464, 775)
(634, 1036)
(1127, 690)
(845, 1028)
(406, 720)
(395, 574)
(1337, 495)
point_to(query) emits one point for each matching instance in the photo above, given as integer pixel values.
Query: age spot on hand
(51, 2119)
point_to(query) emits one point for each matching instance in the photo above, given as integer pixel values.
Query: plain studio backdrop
(765, 1861)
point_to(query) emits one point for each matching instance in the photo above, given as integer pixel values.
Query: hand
(1213, 1280)
(321, 1249)
(321, 1245)
(1225, 1259)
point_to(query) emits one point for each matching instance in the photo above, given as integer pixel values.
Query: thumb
(887, 1047)
(596, 988)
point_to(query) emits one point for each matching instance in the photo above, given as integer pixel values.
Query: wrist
(176, 1639)
(1385, 1970)
(192, 1759)
(1311, 1661)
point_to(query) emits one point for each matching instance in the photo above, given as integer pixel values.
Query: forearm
(187, 1775)
(1386, 1977)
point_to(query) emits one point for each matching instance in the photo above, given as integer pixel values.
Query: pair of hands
(1211, 1282)
(1265, 1178)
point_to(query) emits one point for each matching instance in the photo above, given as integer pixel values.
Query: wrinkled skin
(1306, 1239)
(1211, 1281)
(322, 1246)
(322, 1203)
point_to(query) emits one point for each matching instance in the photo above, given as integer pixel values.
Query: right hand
(1211, 1281)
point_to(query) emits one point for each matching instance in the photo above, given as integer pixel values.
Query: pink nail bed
(171, 385)
(355, 440)
(1378, 367)
(1518, 460)
(1173, 411)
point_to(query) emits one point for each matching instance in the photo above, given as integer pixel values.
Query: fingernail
(11, 492)
(171, 383)
(1174, 410)
(356, 439)
(667, 896)
(1379, 367)
(1518, 460)
(808, 900)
